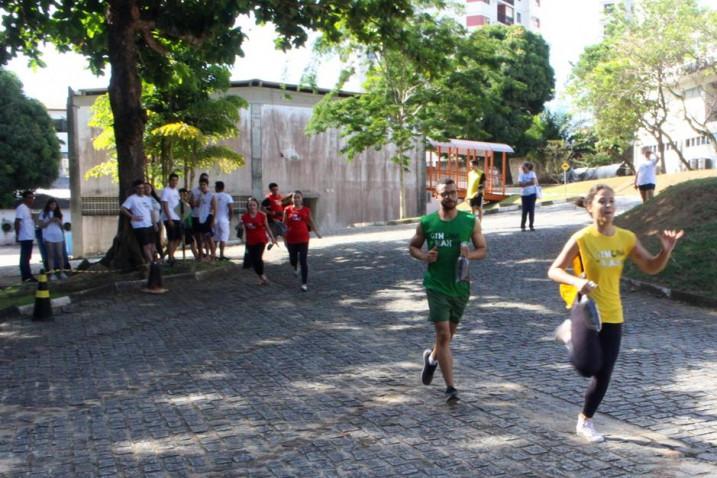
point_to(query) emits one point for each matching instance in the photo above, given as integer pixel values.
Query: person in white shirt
(207, 203)
(528, 181)
(138, 208)
(24, 234)
(50, 221)
(172, 221)
(223, 217)
(194, 201)
(646, 177)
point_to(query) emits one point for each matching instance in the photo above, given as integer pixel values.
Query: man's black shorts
(195, 225)
(646, 187)
(174, 233)
(206, 226)
(144, 235)
(476, 201)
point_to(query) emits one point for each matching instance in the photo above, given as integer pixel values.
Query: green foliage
(627, 81)
(504, 74)
(29, 148)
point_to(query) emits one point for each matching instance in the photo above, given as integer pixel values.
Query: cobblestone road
(223, 378)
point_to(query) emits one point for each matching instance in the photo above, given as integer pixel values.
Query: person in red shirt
(273, 206)
(257, 233)
(298, 224)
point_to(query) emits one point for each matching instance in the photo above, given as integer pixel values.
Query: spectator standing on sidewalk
(138, 208)
(172, 221)
(646, 175)
(25, 234)
(603, 249)
(194, 201)
(50, 221)
(207, 202)
(528, 181)
(223, 218)
(447, 232)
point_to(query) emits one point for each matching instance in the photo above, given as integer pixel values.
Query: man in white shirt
(646, 174)
(172, 222)
(223, 218)
(194, 201)
(207, 212)
(24, 234)
(138, 208)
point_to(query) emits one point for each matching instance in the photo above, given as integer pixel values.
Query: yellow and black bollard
(43, 304)
(154, 280)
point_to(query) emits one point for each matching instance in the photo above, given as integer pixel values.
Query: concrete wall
(272, 139)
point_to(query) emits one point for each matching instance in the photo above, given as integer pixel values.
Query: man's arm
(415, 247)
(480, 246)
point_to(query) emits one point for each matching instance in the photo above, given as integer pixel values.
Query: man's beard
(448, 205)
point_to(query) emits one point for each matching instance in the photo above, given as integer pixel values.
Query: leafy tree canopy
(29, 148)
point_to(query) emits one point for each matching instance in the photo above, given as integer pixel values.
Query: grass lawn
(691, 206)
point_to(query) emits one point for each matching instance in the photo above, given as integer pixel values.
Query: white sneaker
(586, 430)
(304, 287)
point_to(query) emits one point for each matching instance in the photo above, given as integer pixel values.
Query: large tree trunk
(125, 93)
(402, 193)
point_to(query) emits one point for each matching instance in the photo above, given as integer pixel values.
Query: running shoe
(451, 394)
(304, 287)
(586, 430)
(428, 369)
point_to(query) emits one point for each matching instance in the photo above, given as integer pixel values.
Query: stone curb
(119, 286)
(687, 297)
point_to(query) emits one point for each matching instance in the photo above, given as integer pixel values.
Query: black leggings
(528, 209)
(298, 253)
(255, 257)
(610, 337)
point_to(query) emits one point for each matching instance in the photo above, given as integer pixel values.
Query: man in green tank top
(447, 232)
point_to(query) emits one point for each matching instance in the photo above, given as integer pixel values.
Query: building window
(519, 17)
(537, 3)
(476, 20)
(60, 125)
(510, 2)
(695, 92)
(505, 14)
(473, 1)
(536, 22)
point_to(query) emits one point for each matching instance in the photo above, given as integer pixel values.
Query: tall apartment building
(507, 12)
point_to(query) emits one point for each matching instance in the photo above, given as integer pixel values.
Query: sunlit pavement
(225, 378)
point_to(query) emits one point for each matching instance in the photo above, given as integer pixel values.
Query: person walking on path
(448, 232)
(138, 208)
(474, 192)
(602, 249)
(257, 231)
(298, 224)
(273, 207)
(646, 175)
(25, 234)
(528, 181)
(223, 218)
(172, 220)
(52, 235)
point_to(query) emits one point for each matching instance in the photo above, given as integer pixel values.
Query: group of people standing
(201, 218)
(49, 233)
(600, 248)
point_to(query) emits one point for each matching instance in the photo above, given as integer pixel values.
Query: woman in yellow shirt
(603, 249)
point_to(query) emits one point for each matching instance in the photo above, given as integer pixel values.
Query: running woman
(257, 230)
(603, 249)
(446, 231)
(298, 224)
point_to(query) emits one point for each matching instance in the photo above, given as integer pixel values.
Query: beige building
(697, 100)
(272, 138)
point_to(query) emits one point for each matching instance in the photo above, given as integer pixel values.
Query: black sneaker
(428, 369)
(451, 394)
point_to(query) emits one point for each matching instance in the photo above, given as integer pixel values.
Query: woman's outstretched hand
(669, 239)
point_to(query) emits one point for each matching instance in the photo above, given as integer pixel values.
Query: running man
(474, 192)
(273, 207)
(223, 218)
(445, 230)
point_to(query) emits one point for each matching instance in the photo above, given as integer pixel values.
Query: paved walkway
(224, 378)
